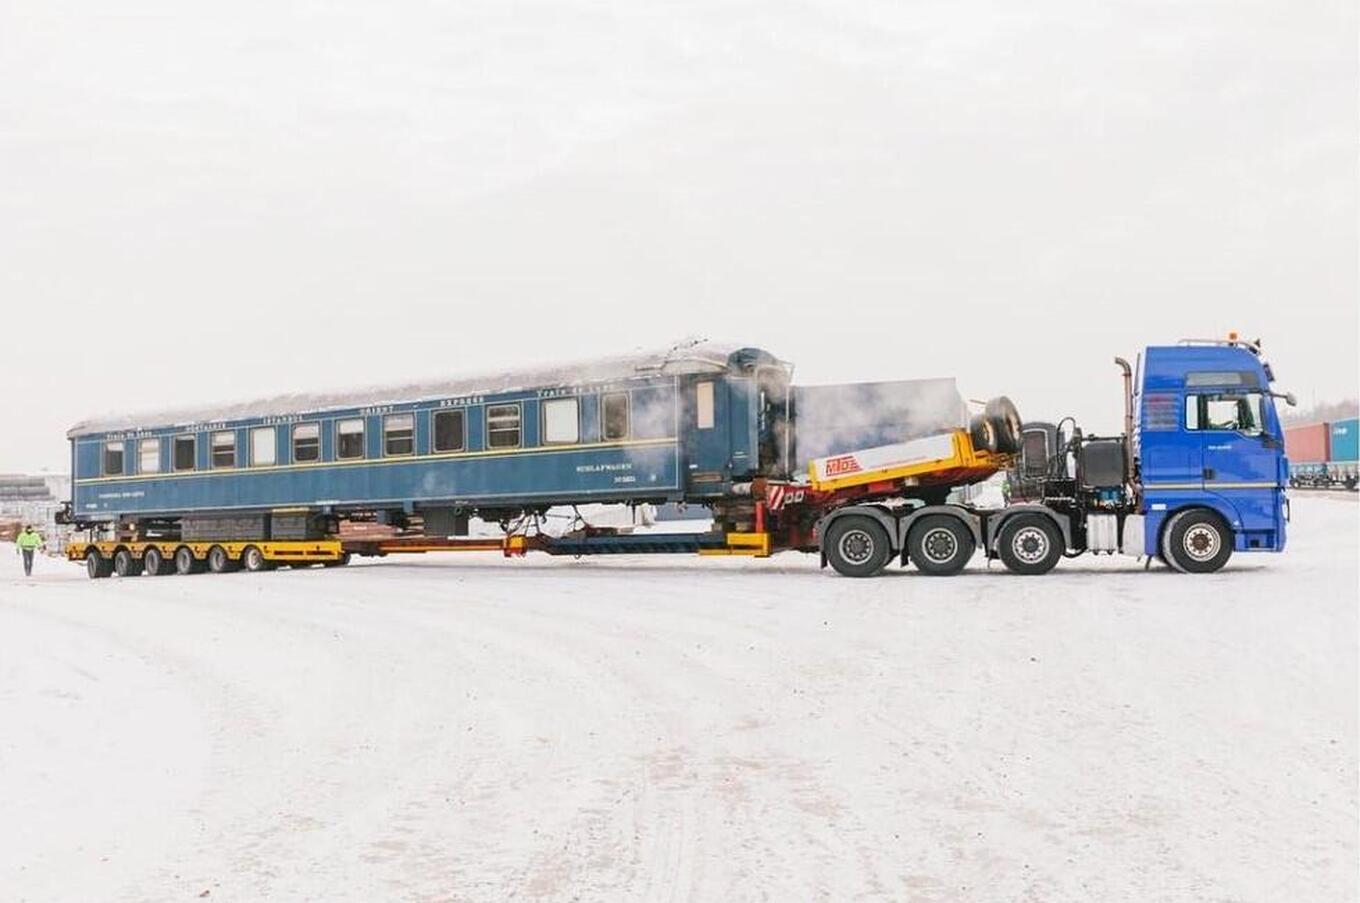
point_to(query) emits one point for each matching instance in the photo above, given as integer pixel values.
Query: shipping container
(1308, 444)
(1345, 448)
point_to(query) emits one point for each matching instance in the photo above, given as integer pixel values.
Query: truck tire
(254, 561)
(186, 563)
(124, 565)
(96, 565)
(1030, 544)
(219, 562)
(857, 546)
(940, 545)
(339, 562)
(983, 433)
(156, 564)
(1005, 418)
(1197, 541)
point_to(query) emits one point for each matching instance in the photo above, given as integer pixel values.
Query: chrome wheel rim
(1201, 542)
(939, 545)
(856, 546)
(1030, 545)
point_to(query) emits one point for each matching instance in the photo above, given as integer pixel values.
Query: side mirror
(1291, 399)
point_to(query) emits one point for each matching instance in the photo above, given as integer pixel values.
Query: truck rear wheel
(96, 565)
(940, 545)
(1197, 541)
(857, 546)
(1030, 544)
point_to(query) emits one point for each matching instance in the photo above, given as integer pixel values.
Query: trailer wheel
(983, 433)
(1030, 544)
(254, 560)
(124, 565)
(857, 546)
(96, 565)
(1005, 419)
(1197, 541)
(940, 545)
(186, 563)
(219, 562)
(156, 563)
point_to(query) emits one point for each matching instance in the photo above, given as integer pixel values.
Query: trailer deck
(943, 460)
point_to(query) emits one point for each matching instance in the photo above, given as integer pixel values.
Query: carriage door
(706, 430)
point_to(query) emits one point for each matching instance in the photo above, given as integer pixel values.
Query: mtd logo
(841, 465)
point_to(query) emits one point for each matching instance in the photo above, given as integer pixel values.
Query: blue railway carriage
(684, 425)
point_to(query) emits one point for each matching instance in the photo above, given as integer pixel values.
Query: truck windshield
(1239, 412)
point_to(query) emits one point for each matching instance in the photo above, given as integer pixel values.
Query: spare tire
(983, 433)
(1005, 418)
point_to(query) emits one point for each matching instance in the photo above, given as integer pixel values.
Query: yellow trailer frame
(281, 552)
(965, 464)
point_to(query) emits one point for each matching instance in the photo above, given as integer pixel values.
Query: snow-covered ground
(464, 728)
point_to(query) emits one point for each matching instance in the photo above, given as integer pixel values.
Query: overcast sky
(215, 201)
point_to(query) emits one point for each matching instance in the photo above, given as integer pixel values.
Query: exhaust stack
(1128, 419)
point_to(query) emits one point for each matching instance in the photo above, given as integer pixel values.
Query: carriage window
(561, 421)
(614, 415)
(1239, 413)
(224, 449)
(349, 438)
(307, 442)
(263, 446)
(149, 456)
(185, 447)
(448, 431)
(703, 405)
(113, 458)
(502, 426)
(399, 432)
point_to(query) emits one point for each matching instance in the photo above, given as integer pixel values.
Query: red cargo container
(1308, 444)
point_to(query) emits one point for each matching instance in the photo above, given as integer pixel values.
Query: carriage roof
(690, 357)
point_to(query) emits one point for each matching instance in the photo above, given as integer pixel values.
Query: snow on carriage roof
(689, 356)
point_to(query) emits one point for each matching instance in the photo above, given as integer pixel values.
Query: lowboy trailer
(1198, 473)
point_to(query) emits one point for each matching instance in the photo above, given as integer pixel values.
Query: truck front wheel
(939, 545)
(857, 546)
(1030, 544)
(1197, 541)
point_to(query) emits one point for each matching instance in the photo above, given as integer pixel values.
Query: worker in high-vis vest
(28, 542)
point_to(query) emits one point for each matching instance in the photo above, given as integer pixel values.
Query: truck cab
(1209, 441)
